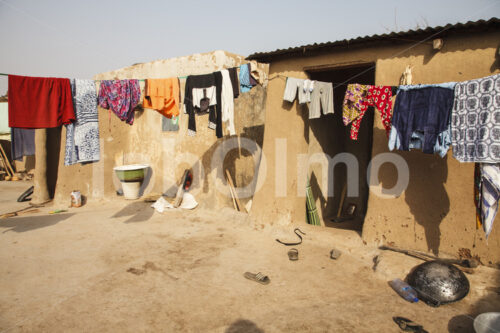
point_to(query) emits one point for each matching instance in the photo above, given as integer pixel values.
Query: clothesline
(336, 84)
(141, 80)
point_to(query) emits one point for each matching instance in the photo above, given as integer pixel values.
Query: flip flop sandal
(259, 277)
(407, 325)
(293, 254)
(335, 254)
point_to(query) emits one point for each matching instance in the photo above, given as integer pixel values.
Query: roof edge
(393, 37)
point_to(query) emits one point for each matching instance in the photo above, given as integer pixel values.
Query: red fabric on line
(39, 102)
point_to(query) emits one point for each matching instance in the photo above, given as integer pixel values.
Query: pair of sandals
(293, 254)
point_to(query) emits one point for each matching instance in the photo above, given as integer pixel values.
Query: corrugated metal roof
(440, 31)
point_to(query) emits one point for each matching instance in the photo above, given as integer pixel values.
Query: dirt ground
(120, 266)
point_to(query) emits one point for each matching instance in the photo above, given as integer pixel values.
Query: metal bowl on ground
(438, 283)
(488, 322)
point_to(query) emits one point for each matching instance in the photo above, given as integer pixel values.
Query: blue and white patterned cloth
(490, 193)
(475, 120)
(82, 136)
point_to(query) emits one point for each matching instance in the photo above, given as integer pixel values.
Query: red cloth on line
(39, 102)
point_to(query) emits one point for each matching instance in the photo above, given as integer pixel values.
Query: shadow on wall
(53, 149)
(228, 153)
(489, 303)
(302, 111)
(243, 326)
(29, 162)
(425, 195)
(496, 63)
(148, 174)
(316, 191)
(238, 161)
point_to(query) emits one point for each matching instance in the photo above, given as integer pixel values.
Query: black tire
(24, 197)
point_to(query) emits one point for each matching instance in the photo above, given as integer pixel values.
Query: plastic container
(131, 190)
(131, 177)
(404, 290)
(76, 199)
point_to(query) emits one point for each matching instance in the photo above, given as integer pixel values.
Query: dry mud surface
(118, 266)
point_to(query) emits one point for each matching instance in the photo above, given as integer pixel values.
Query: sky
(78, 39)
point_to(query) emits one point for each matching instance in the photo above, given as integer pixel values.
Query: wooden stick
(231, 186)
(426, 257)
(342, 198)
(242, 208)
(470, 263)
(24, 210)
(5, 165)
(180, 190)
(7, 160)
(231, 192)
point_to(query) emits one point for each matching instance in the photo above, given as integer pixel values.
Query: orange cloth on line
(162, 95)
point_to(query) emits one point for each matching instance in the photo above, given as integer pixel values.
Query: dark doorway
(332, 137)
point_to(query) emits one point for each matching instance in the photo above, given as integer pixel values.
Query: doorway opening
(338, 207)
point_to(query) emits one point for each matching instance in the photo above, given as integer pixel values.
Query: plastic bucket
(131, 190)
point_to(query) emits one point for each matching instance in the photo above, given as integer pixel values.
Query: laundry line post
(41, 191)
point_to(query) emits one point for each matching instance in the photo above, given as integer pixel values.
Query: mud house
(436, 212)
(277, 148)
(167, 153)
